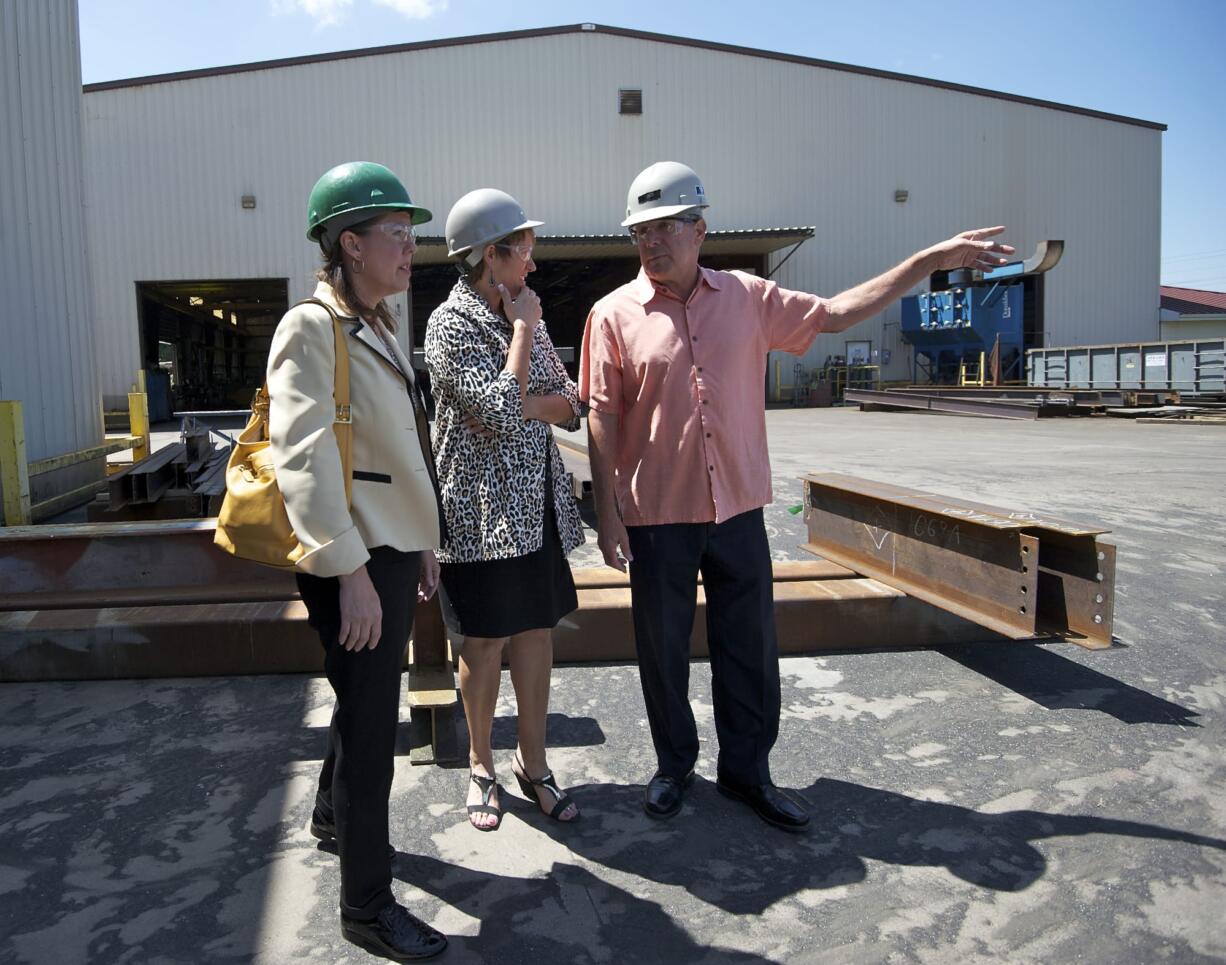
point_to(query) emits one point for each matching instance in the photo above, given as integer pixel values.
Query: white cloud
(325, 13)
(415, 9)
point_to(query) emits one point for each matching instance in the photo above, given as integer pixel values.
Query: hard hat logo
(663, 190)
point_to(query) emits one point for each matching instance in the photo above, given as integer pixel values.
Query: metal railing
(16, 470)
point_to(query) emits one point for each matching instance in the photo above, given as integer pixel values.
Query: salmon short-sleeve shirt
(687, 380)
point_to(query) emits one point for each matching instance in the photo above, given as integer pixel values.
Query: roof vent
(629, 101)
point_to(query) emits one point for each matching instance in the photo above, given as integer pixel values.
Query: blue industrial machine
(979, 315)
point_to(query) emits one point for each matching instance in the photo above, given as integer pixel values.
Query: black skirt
(500, 598)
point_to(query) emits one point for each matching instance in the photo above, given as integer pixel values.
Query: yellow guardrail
(16, 471)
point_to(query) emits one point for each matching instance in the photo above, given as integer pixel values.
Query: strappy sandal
(488, 785)
(529, 786)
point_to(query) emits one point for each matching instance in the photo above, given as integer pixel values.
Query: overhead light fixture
(901, 196)
(248, 201)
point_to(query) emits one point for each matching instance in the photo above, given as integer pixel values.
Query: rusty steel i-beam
(1018, 573)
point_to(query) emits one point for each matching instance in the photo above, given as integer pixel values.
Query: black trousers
(734, 559)
(356, 778)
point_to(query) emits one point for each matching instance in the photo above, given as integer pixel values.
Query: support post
(14, 469)
(138, 419)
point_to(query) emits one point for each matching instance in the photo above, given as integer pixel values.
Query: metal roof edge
(537, 32)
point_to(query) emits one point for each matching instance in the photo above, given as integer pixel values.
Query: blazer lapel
(368, 337)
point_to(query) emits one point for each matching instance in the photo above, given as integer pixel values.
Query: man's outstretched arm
(970, 249)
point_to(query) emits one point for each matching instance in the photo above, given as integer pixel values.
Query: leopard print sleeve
(464, 364)
(556, 381)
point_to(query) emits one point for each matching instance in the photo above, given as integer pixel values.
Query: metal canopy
(432, 249)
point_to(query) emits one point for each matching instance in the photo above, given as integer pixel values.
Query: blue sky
(1162, 62)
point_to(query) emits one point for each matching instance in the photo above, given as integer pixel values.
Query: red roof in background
(1193, 301)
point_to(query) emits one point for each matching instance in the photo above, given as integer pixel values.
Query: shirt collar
(644, 291)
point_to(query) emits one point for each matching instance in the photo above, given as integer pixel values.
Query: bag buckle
(342, 415)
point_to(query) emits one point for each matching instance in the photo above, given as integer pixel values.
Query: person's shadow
(568, 915)
(720, 852)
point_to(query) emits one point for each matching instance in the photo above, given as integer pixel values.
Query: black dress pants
(734, 559)
(356, 778)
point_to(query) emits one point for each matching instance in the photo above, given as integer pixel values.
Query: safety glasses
(667, 227)
(522, 252)
(397, 232)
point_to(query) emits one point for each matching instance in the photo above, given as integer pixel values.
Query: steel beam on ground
(128, 564)
(431, 693)
(155, 474)
(993, 408)
(811, 616)
(1019, 392)
(1016, 572)
(159, 599)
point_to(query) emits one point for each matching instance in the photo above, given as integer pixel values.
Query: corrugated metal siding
(47, 355)
(776, 143)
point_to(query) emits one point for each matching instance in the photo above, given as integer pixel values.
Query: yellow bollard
(138, 423)
(14, 469)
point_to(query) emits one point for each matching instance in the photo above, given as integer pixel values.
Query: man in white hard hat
(672, 368)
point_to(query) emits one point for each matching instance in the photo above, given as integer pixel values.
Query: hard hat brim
(417, 214)
(457, 252)
(664, 211)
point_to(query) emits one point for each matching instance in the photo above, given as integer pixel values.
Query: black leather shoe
(663, 796)
(768, 803)
(395, 934)
(325, 830)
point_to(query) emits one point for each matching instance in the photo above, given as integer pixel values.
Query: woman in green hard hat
(498, 385)
(369, 553)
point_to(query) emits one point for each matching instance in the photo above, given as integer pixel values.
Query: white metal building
(47, 344)
(202, 178)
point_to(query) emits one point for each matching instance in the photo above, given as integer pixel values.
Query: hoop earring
(358, 266)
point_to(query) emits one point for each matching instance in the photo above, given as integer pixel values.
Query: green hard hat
(353, 192)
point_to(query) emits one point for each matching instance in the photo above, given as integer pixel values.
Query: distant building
(1190, 313)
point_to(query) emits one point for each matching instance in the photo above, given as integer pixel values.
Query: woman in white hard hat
(499, 385)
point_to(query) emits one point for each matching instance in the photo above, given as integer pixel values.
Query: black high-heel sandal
(529, 786)
(488, 785)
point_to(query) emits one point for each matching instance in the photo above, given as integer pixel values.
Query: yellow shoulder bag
(253, 524)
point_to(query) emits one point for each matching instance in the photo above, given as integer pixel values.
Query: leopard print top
(494, 489)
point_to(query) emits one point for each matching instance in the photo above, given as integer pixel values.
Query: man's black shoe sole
(738, 796)
(376, 947)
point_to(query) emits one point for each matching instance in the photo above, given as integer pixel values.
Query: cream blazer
(395, 497)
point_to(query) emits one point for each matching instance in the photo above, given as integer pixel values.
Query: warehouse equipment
(998, 312)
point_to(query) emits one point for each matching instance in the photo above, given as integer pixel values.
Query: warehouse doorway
(572, 273)
(204, 344)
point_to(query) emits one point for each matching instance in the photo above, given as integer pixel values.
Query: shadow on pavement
(569, 915)
(718, 850)
(1058, 683)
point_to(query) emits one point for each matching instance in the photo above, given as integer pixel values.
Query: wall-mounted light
(901, 196)
(248, 201)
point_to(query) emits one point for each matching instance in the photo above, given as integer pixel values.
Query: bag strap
(342, 423)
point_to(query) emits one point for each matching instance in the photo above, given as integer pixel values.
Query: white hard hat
(664, 190)
(481, 217)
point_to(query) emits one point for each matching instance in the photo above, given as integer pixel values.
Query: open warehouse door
(204, 344)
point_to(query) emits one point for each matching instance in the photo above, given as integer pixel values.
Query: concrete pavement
(1019, 802)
